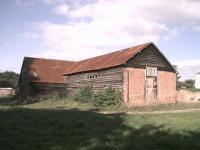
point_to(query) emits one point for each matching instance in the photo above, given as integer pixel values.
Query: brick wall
(134, 83)
(134, 87)
(166, 87)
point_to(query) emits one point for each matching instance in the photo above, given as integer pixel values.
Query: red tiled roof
(46, 70)
(106, 61)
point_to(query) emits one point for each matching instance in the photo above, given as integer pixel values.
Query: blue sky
(74, 30)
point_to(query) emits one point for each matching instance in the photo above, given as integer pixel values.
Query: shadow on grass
(8, 100)
(29, 129)
(14, 101)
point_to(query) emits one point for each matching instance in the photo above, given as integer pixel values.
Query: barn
(41, 76)
(141, 73)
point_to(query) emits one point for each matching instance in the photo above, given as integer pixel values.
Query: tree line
(9, 79)
(188, 84)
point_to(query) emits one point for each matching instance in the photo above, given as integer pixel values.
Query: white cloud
(106, 25)
(188, 63)
(61, 9)
(30, 35)
(188, 68)
(96, 27)
(90, 39)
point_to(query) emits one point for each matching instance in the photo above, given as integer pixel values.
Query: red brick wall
(134, 81)
(134, 87)
(166, 87)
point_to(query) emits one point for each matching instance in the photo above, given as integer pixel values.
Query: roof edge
(92, 70)
(27, 57)
(143, 46)
(164, 57)
(50, 82)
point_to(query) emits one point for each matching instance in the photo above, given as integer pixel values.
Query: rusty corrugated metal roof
(105, 61)
(46, 70)
(52, 71)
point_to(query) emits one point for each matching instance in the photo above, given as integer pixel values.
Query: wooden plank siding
(151, 56)
(99, 80)
(37, 88)
(23, 83)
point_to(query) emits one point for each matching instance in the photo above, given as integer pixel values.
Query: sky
(79, 29)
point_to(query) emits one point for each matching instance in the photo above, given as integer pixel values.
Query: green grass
(45, 129)
(68, 125)
(177, 106)
(53, 103)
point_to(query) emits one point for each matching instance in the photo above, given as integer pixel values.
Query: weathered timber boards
(152, 56)
(47, 88)
(112, 77)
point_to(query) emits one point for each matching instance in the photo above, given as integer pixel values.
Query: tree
(178, 77)
(189, 84)
(9, 79)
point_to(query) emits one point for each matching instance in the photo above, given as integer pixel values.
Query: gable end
(150, 55)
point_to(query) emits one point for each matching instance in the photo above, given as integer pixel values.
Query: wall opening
(151, 88)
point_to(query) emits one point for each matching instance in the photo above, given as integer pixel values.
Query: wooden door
(151, 86)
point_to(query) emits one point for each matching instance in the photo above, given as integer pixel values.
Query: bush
(108, 97)
(85, 94)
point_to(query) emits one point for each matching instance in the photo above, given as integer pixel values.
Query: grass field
(74, 126)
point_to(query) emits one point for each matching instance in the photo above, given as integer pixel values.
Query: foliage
(85, 94)
(9, 79)
(108, 97)
(188, 84)
(178, 77)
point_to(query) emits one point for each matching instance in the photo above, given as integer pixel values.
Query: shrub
(85, 94)
(108, 97)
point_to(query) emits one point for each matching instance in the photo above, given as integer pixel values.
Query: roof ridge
(128, 48)
(90, 57)
(107, 60)
(49, 59)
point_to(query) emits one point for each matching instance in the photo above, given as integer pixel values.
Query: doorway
(151, 85)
